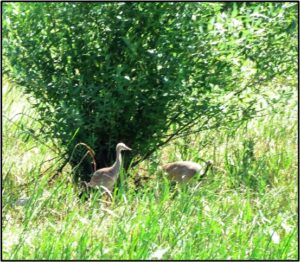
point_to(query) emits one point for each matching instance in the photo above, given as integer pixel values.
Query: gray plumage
(183, 171)
(108, 176)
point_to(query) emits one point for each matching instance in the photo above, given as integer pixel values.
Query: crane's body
(183, 171)
(108, 176)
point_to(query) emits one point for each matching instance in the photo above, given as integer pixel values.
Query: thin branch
(90, 151)
(31, 133)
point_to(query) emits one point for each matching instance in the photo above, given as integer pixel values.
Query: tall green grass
(246, 207)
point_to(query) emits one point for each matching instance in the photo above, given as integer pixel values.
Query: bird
(183, 171)
(108, 176)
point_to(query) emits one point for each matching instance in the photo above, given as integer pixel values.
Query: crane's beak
(128, 148)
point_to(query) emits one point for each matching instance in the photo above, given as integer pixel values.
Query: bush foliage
(145, 73)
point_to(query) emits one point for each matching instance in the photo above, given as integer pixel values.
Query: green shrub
(144, 73)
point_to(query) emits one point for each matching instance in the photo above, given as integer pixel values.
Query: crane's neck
(205, 171)
(117, 164)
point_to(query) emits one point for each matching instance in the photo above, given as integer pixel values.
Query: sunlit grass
(246, 208)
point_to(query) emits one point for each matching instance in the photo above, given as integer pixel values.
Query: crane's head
(122, 146)
(209, 162)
